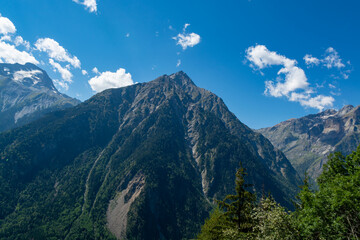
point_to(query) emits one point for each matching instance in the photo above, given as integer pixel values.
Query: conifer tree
(238, 206)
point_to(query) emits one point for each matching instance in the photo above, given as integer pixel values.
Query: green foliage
(232, 220)
(238, 206)
(214, 226)
(333, 212)
(53, 161)
(272, 221)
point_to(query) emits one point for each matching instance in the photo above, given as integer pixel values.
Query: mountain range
(26, 94)
(308, 141)
(140, 162)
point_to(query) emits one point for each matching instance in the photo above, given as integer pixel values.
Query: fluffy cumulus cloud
(65, 73)
(295, 78)
(57, 52)
(90, 5)
(8, 48)
(106, 80)
(9, 54)
(186, 40)
(320, 102)
(291, 83)
(6, 26)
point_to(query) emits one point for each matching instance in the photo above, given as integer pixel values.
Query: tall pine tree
(238, 206)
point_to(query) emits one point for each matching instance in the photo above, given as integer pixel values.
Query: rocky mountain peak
(26, 93)
(28, 75)
(181, 78)
(307, 141)
(345, 110)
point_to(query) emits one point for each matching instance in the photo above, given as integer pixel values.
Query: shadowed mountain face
(308, 141)
(140, 162)
(27, 93)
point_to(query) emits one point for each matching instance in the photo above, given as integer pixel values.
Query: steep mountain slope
(27, 93)
(140, 162)
(308, 141)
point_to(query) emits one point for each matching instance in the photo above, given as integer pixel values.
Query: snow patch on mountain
(19, 76)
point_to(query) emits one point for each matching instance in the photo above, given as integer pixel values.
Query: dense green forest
(331, 212)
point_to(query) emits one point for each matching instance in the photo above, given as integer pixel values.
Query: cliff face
(26, 94)
(142, 162)
(308, 141)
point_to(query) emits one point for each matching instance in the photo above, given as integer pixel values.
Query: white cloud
(20, 41)
(95, 70)
(66, 75)
(9, 54)
(310, 60)
(6, 26)
(320, 102)
(57, 52)
(127, 35)
(108, 80)
(6, 38)
(332, 59)
(90, 5)
(187, 39)
(178, 63)
(262, 57)
(84, 72)
(60, 83)
(185, 26)
(295, 79)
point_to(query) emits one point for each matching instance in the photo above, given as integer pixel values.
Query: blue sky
(236, 49)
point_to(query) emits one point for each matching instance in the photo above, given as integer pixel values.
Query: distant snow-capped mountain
(27, 93)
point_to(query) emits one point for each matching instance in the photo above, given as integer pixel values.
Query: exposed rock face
(27, 93)
(119, 207)
(308, 141)
(143, 161)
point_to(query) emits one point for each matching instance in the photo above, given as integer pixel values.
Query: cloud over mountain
(8, 51)
(106, 80)
(294, 85)
(57, 52)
